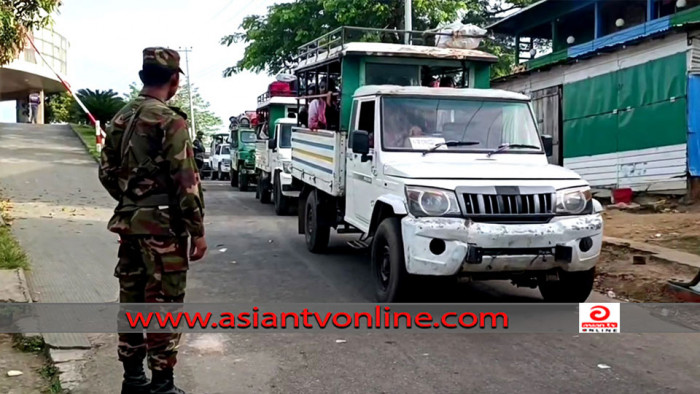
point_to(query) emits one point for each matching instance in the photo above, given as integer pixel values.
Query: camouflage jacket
(164, 195)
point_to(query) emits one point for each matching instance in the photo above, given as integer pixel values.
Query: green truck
(242, 153)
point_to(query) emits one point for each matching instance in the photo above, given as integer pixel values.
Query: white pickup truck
(273, 162)
(449, 182)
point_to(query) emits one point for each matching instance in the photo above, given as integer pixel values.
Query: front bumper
(512, 243)
(287, 187)
(225, 167)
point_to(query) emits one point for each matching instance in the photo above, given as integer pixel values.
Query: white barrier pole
(98, 136)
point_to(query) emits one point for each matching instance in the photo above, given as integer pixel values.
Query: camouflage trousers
(151, 269)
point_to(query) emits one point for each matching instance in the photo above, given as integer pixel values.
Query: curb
(24, 285)
(23, 289)
(659, 252)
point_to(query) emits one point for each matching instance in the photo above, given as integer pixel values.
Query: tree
(59, 108)
(272, 39)
(17, 20)
(102, 104)
(205, 120)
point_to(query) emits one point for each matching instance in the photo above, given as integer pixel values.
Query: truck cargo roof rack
(332, 41)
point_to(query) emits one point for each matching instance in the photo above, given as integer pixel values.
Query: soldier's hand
(198, 249)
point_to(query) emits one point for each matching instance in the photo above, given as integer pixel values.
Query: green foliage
(102, 104)
(11, 254)
(28, 344)
(17, 19)
(59, 108)
(272, 40)
(205, 120)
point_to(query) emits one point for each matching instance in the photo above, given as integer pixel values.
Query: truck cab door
(217, 157)
(234, 150)
(361, 175)
(273, 155)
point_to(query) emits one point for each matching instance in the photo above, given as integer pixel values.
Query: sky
(107, 37)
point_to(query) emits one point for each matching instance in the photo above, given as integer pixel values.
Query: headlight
(423, 201)
(573, 201)
(287, 167)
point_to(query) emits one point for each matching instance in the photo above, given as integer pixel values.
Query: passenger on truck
(317, 110)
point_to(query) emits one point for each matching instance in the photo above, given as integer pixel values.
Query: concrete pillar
(23, 111)
(40, 115)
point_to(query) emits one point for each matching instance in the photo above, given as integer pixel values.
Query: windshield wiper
(506, 147)
(451, 143)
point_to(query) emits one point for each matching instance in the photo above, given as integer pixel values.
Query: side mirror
(360, 142)
(548, 143)
(272, 143)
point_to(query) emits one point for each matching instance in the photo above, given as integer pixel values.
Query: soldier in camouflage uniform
(148, 166)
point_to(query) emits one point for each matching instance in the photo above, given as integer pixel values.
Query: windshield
(248, 136)
(421, 123)
(225, 150)
(285, 136)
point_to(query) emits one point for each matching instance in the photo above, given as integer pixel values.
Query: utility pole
(408, 20)
(189, 86)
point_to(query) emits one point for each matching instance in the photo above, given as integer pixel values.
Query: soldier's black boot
(135, 379)
(164, 383)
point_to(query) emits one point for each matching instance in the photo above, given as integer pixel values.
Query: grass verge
(11, 254)
(87, 134)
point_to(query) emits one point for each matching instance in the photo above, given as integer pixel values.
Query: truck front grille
(509, 205)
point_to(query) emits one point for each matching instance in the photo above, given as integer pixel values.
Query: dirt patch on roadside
(679, 231)
(33, 366)
(617, 276)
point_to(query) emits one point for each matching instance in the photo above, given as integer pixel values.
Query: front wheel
(281, 202)
(234, 178)
(388, 266)
(214, 175)
(316, 231)
(264, 188)
(572, 287)
(242, 181)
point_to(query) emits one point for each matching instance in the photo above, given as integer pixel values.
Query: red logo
(600, 313)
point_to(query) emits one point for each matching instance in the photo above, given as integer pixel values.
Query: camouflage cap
(164, 57)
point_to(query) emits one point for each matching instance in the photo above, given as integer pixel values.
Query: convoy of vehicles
(273, 160)
(436, 181)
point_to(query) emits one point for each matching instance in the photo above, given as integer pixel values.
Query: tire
(316, 231)
(234, 178)
(388, 266)
(572, 287)
(281, 202)
(265, 195)
(242, 181)
(258, 191)
(214, 175)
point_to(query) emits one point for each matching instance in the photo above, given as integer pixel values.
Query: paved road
(272, 265)
(61, 211)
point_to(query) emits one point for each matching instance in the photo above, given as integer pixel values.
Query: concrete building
(619, 89)
(28, 74)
